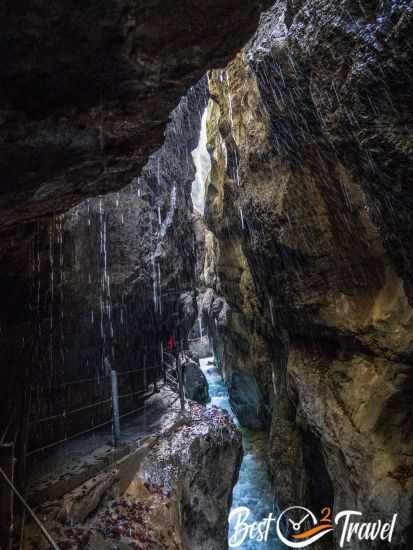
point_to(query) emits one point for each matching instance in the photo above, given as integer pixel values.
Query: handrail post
(180, 383)
(163, 365)
(115, 407)
(145, 379)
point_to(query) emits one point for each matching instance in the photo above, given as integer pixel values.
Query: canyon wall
(309, 205)
(308, 262)
(87, 90)
(104, 285)
(86, 97)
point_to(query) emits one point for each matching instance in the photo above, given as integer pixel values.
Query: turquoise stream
(253, 489)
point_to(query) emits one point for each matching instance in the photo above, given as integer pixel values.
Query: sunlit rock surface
(309, 202)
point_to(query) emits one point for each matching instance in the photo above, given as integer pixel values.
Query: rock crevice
(311, 299)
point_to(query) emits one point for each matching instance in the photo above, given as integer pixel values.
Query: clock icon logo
(298, 527)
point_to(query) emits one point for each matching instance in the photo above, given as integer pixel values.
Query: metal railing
(65, 414)
(143, 393)
(42, 528)
(171, 368)
(172, 374)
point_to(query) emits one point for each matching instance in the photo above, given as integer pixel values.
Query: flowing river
(254, 489)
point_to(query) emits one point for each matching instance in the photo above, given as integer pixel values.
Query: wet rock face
(106, 283)
(234, 337)
(86, 96)
(200, 465)
(87, 91)
(195, 382)
(172, 492)
(229, 304)
(308, 145)
(371, 86)
(354, 98)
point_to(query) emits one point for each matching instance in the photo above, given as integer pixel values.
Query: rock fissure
(273, 225)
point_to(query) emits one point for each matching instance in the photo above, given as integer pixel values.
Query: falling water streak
(101, 303)
(89, 221)
(158, 173)
(271, 303)
(154, 279)
(242, 218)
(106, 317)
(159, 289)
(38, 268)
(200, 328)
(59, 226)
(231, 118)
(224, 150)
(202, 163)
(51, 299)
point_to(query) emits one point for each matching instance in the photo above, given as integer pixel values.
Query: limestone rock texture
(87, 90)
(102, 286)
(199, 464)
(310, 206)
(230, 311)
(175, 496)
(195, 382)
(96, 241)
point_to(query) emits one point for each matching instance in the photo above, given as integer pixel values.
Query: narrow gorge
(206, 275)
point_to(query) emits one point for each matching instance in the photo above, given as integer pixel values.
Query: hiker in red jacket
(171, 344)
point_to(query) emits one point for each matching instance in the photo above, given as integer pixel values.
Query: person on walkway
(171, 345)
